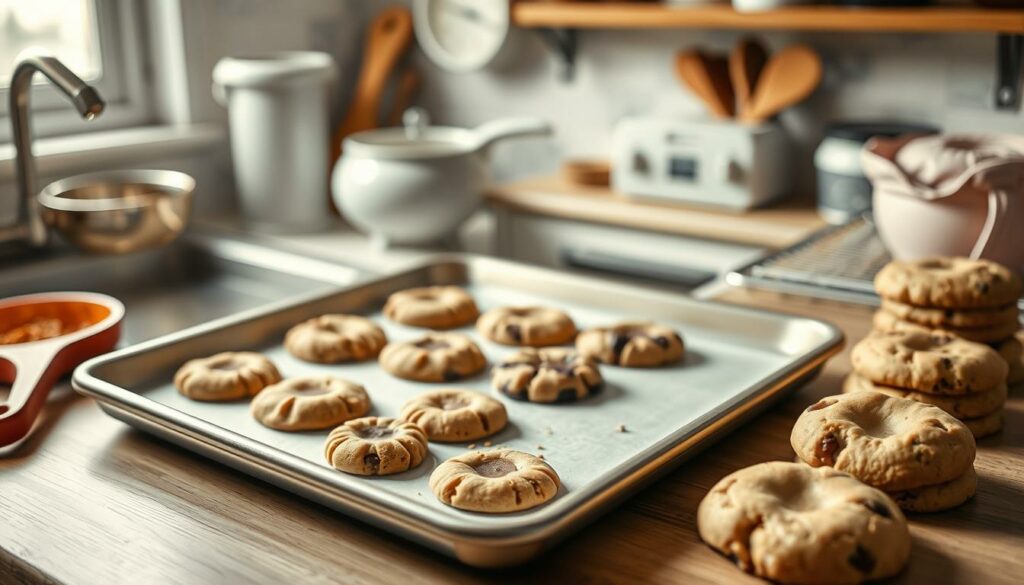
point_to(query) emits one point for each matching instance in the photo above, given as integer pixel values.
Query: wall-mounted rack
(561, 18)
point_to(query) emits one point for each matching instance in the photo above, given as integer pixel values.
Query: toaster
(706, 162)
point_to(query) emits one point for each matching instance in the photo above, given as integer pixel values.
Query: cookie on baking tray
(791, 523)
(938, 497)
(434, 307)
(632, 345)
(376, 446)
(963, 406)
(552, 374)
(958, 283)
(887, 322)
(226, 376)
(331, 339)
(928, 362)
(495, 481)
(456, 415)
(889, 443)
(529, 326)
(435, 357)
(309, 403)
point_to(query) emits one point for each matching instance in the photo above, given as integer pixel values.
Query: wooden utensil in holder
(388, 39)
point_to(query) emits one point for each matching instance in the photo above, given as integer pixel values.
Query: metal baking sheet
(736, 360)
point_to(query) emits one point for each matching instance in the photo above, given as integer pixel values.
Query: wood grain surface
(87, 500)
(822, 18)
(779, 225)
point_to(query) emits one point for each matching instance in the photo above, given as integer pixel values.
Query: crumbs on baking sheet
(621, 428)
(540, 447)
(487, 443)
(471, 446)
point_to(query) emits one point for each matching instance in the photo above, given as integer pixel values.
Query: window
(97, 39)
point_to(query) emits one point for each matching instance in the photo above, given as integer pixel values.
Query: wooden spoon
(746, 62)
(388, 39)
(707, 75)
(787, 79)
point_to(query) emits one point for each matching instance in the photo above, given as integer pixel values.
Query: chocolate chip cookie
(309, 403)
(985, 426)
(889, 443)
(936, 498)
(887, 322)
(331, 339)
(962, 406)
(632, 345)
(928, 362)
(226, 376)
(436, 357)
(1012, 351)
(456, 415)
(550, 374)
(937, 318)
(376, 446)
(791, 523)
(434, 307)
(957, 283)
(530, 326)
(494, 482)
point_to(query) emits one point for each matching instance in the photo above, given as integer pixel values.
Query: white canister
(278, 113)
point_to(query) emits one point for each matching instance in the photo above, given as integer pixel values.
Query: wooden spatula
(746, 62)
(788, 78)
(388, 39)
(707, 75)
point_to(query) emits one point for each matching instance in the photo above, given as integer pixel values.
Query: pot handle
(490, 132)
(34, 376)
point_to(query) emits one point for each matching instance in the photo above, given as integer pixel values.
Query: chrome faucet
(29, 225)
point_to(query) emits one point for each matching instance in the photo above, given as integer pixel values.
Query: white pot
(416, 185)
(277, 111)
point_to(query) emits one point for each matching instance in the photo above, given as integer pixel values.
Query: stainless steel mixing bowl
(119, 211)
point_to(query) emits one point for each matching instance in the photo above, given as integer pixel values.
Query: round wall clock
(461, 35)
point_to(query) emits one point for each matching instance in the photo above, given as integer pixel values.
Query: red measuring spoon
(33, 367)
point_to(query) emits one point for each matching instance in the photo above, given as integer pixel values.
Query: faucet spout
(89, 105)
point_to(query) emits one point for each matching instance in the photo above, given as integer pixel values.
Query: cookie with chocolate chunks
(632, 345)
(790, 523)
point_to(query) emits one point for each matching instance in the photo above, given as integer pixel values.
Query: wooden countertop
(776, 226)
(88, 500)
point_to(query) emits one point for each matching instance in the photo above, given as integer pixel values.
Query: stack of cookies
(973, 299)
(963, 378)
(920, 456)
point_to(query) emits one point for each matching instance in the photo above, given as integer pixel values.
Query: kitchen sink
(198, 278)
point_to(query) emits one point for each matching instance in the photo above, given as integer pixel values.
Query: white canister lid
(270, 69)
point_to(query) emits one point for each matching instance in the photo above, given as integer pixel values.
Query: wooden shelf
(569, 15)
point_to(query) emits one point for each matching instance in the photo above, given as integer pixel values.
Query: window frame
(123, 83)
